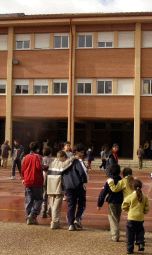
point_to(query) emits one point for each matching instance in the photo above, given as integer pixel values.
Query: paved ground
(16, 238)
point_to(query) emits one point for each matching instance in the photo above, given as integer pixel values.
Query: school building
(79, 77)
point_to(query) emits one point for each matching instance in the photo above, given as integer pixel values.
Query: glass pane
(109, 44)
(26, 44)
(44, 89)
(87, 88)
(108, 87)
(146, 87)
(57, 41)
(2, 89)
(100, 87)
(88, 40)
(24, 89)
(101, 44)
(19, 45)
(37, 89)
(56, 88)
(81, 41)
(64, 88)
(80, 88)
(64, 41)
(18, 89)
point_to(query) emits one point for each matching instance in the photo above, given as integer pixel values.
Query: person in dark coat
(114, 201)
(74, 180)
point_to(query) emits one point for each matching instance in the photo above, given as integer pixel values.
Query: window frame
(21, 85)
(61, 43)
(149, 94)
(104, 80)
(41, 83)
(84, 34)
(43, 48)
(84, 82)
(3, 84)
(23, 41)
(60, 85)
(106, 41)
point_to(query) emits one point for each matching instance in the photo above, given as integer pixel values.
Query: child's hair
(127, 171)
(113, 170)
(137, 188)
(61, 154)
(47, 151)
(34, 146)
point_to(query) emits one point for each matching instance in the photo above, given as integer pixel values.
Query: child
(136, 205)
(90, 156)
(126, 184)
(114, 202)
(47, 158)
(32, 178)
(54, 186)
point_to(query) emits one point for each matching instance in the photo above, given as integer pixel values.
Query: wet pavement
(19, 239)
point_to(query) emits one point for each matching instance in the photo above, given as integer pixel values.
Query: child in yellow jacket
(136, 204)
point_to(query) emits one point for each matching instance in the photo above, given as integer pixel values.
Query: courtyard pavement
(16, 238)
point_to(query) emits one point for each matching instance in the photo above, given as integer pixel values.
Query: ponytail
(137, 188)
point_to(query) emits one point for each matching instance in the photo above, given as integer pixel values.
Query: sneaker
(141, 247)
(35, 221)
(72, 228)
(29, 221)
(12, 177)
(55, 225)
(78, 224)
(130, 252)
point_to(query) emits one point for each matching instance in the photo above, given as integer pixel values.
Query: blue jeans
(33, 201)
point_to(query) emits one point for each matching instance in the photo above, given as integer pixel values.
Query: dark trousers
(16, 162)
(135, 230)
(33, 201)
(76, 199)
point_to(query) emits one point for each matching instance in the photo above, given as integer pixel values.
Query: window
(60, 87)
(104, 87)
(42, 41)
(125, 86)
(2, 86)
(105, 39)
(3, 42)
(147, 39)
(21, 86)
(61, 41)
(126, 39)
(84, 87)
(22, 41)
(147, 87)
(84, 40)
(41, 87)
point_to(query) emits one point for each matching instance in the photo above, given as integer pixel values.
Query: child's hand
(109, 180)
(98, 208)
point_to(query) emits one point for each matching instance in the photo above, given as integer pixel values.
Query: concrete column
(94, 87)
(32, 41)
(31, 86)
(72, 40)
(115, 39)
(137, 90)
(8, 123)
(95, 40)
(114, 86)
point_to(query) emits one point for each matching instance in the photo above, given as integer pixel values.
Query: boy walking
(32, 178)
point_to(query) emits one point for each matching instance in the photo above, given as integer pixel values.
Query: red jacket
(32, 173)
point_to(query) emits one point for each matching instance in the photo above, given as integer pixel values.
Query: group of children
(125, 195)
(67, 175)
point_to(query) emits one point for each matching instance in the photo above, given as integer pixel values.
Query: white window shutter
(126, 39)
(3, 42)
(105, 37)
(125, 86)
(41, 82)
(23, 37)
(147, 39)
(21, 82)
(42, 41)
